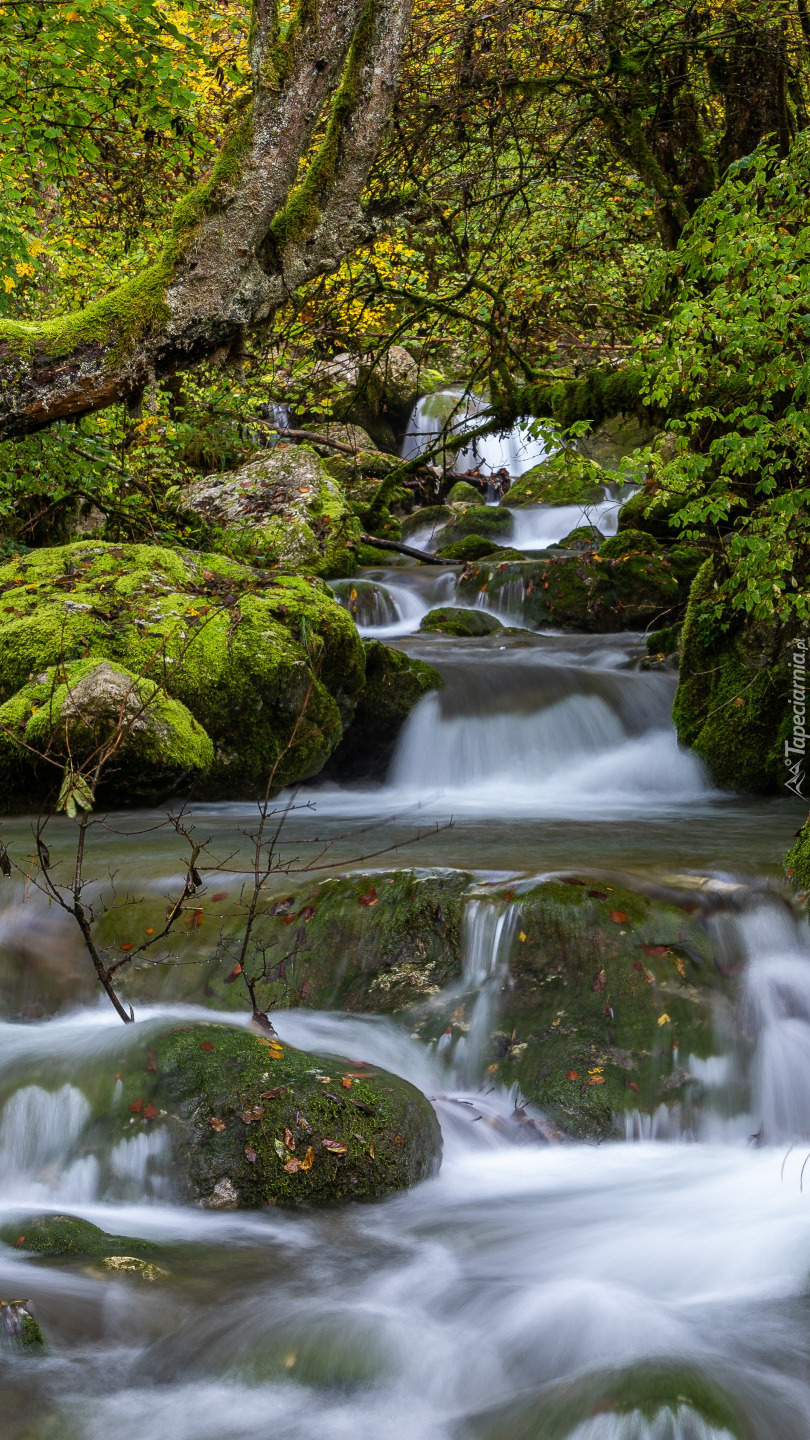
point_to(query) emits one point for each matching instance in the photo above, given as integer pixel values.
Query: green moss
(552, 482)
(55, 1235)
(626, 542)
(463, 493)
(254, 657)
(797, 861)
(651, 513)
(206, 1072)
(472, 547)
(58, 717)
(30, 1333)
(598, 969)
(460, 622)
(732, 702)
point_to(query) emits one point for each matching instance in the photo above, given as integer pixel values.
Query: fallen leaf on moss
(136, 1107)
(309, 1157)
(618, 917)
(206, 1045)
(216, 1123)
(663, 1019)
(370, 897)
(335, 1147)
(572, 1075)
(250, 1154)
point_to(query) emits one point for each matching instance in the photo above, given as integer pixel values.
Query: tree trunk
(247, 236)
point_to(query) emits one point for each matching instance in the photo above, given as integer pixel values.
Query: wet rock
(796, 863)
(472, 547)
(131, 1268)
(733, 702)
(59, 1235)
(433, 516)
(582, 483)
(392, 386)
(394, 683)
(610, 992)
(460, 622)
(585, 537)
(267, 665)
(18, 1326)
(72, 711)
(462, 493)
(283, 508)
(663, 649)
(254, 1123)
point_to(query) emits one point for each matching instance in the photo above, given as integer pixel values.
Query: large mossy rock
(284, 508)
(611, 991)
(472, 547)
(269, 666)
(621, 587)
(797, 860)
(394, 683)
(578, 482)
(460, 623)
(253, 1122)
(60, 1235)
(72, 712)
(733, 705)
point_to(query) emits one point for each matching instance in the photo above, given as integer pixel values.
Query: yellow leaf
(663, 1019)
(523, 935)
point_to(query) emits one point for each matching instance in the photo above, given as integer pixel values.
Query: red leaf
(206, 1045)
(151, 1112)
(306, 914)
(655, 949)
(370, 897)
(637, 965)
(346, 1082)
(572, 1074)
(21, 1240)
(507, 894)
(288, 919)
(220, 895)
(216, 1123)
(306, 990)
(136, 1107)
(618, 917)
(634, 1086)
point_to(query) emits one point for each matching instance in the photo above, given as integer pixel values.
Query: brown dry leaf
(306, 914)
(633, 1086)
(274, 1093)
(289, 1139)
(293, 1166)
(127, 946)
(216, 1123)
(597, 894)
(151, 1112)
(655, 949)
(250, 1154)
(247, 1116)
(398, 1140)
(136, 1107)
(599, 980)
(335, 1147)
(596, 1080)
(206, 1045)
(346, 1082)
(618, 917)
(220, 895)
(572, 1075)
(234, 975)
(370, 897)
(309, 1157)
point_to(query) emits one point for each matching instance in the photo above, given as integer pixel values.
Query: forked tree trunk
(282, 204)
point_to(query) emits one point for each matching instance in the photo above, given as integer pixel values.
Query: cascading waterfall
(486, 941)
(516, 450)
(534, 527)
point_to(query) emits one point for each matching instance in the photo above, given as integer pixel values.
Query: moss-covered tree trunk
(282, 204)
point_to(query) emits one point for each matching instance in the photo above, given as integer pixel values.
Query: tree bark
(247, 236)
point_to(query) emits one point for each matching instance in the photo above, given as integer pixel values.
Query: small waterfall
(515, 451)
(531, 736)
(486, 942)
(680, 1423)
(40, 1131)
(534, 527)
(775, 1002)
(382, 611)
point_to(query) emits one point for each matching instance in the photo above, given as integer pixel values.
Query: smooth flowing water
(523, 1289)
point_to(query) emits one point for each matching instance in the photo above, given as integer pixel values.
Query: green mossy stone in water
(585, 537)
(74, 709)
(626, 542)
(472, 547)
(463, 493)
(460, 623)
(546, 483)
(483, 520)
(650, 513)
(256, 1123)
(797, 861)
(55, 1235)
(732, 705)
(394, 684)
(267, 665)
(436, 516)
(18, 1326)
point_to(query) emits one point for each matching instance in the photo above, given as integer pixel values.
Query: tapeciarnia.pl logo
(795, 748)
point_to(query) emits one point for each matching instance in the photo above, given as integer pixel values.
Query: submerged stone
(472, 547)
(58, 1235)
(18, 1326)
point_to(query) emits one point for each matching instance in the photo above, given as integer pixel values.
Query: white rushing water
(455, 411)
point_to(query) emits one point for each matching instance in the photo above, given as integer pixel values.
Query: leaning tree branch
(282, 204)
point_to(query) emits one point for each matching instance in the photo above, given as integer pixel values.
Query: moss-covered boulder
(584, 537)
(255, 1123)
(589, 591)
(269, 666)
(60, 1235)
(73, 712)
(472, 547)
(394, 683)
(663, 648)
(564, 479)
(429, 517)
(494, 521)
(460, 622)
(733, 703)
(462, 493)
(284, 508)
(650, 510)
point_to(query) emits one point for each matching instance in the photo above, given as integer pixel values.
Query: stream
(502, 1299)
